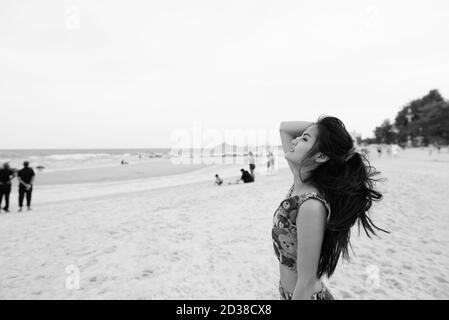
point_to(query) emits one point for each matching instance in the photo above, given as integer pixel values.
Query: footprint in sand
(345, 295)
(110, 249)
(147, 272)
(379, 291)
(395, 283)
(440, 279)
(360, 292)
(174, 256)
(407, 266)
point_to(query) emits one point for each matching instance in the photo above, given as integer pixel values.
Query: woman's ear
(321, 158)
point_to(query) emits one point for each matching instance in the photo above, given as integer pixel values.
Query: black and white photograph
(224, 150)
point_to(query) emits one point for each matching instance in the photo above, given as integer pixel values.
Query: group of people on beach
(391, 150)
(248, 177)
(26, 181)
(269, 162)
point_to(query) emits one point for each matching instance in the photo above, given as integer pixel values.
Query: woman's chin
(288, 156)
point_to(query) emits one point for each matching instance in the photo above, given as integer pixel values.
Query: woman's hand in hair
(289, 130)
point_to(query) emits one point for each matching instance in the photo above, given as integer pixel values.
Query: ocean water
(70, 159)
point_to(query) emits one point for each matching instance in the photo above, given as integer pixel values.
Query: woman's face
(302, 145)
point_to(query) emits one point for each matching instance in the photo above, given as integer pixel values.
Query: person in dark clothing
(246, 176)
(26, 179)
(6, 175)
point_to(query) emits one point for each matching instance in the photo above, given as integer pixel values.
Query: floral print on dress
(284, 230)
(284, 234)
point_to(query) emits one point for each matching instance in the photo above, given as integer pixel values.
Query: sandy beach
(180, 237)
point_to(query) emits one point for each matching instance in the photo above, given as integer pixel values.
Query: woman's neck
(299, 186)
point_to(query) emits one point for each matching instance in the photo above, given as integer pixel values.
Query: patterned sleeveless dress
(285, 240)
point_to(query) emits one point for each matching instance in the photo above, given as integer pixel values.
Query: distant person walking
(252, 163)
(26, 181)
(431, 147)
(6, 175)
(395, 150)
(270, 163)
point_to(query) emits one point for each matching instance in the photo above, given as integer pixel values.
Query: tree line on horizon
(423, 121)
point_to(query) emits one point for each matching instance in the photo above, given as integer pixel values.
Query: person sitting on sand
(218, 180)
(332, 190)
(246, 177)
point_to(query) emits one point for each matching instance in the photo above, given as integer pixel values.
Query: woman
(271, 162)
(252, 163)
(268, 163)
(332, 190)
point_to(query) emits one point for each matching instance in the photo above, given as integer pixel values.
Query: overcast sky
(105, 74)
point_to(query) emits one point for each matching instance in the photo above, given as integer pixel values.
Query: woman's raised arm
(289, 130)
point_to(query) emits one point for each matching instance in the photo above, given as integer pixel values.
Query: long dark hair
(348, 186)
